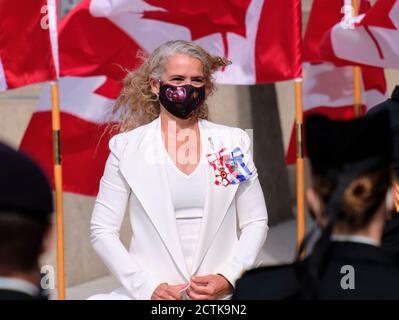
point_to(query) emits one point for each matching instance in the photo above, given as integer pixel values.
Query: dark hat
(24, 189)
(392, 106)
(335, 145)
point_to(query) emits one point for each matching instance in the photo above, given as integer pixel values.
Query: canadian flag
(28, 42)
(85, 117)
(328, 89)
(260, 37)
(100, 39)
(370, 38)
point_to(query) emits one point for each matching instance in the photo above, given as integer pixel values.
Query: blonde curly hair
(137, 105)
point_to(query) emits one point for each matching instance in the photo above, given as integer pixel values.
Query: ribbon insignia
(229, 168)
(237, 165)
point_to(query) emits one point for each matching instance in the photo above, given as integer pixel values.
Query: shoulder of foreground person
(267, 283)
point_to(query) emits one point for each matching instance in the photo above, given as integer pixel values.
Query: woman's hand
(168, 292)
(210, 287)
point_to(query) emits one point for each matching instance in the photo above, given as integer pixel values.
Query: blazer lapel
(218, 197)
(142, 165)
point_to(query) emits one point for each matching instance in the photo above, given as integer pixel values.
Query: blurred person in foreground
(26, 207)
(350, 197)
(390, 238)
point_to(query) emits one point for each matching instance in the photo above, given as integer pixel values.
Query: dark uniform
(390, 239)
(376, 276)
(24, 193)
(391, 232)
(353, 268)
(18, 295)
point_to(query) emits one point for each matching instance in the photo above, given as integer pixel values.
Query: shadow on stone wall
(269, 152)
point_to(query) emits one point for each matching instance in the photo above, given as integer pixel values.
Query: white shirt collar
(19, 285)
(353, 238)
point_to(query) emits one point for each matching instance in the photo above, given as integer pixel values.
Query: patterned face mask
(181, 101)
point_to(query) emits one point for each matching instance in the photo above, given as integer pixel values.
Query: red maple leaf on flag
(378, 16)
(203, 17)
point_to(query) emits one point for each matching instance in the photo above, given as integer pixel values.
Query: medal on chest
(228, 168)
(217, 160)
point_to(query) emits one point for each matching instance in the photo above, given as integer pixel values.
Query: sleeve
(252, 221)
(106, 221)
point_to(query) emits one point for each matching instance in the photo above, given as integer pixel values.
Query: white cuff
(143, 286)
(232, 271)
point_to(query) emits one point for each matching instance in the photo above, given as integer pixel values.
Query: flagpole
(300, 178)
(357, 73)
(55, 111)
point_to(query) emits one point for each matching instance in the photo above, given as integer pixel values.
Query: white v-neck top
(188, 197)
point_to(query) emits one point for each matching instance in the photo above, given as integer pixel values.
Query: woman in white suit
(190, 186)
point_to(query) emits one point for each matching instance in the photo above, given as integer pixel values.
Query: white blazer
(234, 225)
